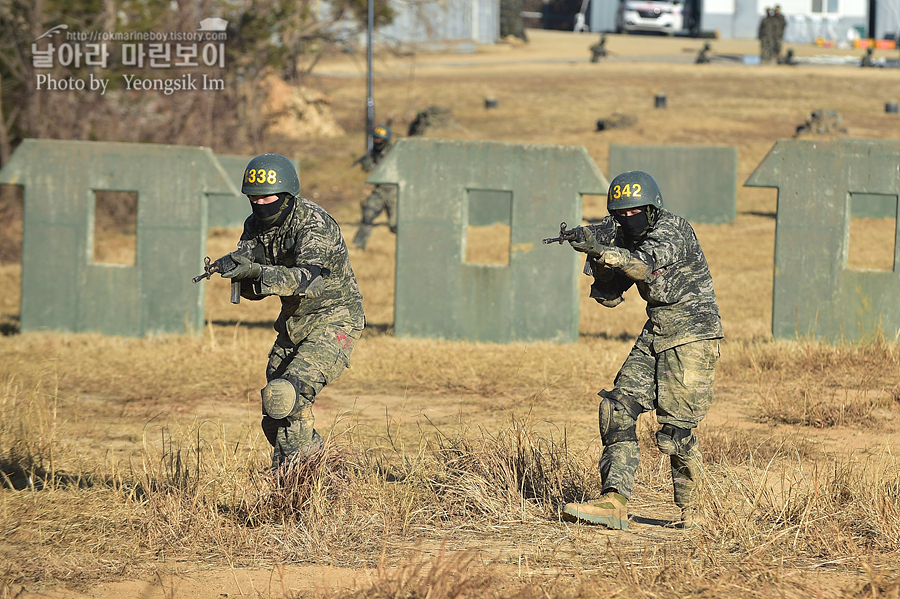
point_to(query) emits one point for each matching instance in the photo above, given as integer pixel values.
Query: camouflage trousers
(678, 384)
(769, 48)
(382, 199)
(309, 365)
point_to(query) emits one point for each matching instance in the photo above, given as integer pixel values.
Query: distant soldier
(788, 58)
(293, 249)
(598, 50)
(384, 196)
(703, 57)
(778, 30)
(766, 36)
(670, 369)
(867, 60)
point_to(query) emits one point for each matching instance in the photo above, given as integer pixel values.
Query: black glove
(586, 242)
(315, 288)
(243, 269)
(224, 264)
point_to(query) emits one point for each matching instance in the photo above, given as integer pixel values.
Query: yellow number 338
(260, 175)
(629, 191)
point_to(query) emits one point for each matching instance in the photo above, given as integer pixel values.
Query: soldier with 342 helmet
(292, 248)
(384, 196)
(671, 367)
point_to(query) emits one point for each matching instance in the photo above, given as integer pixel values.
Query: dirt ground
(547, 92)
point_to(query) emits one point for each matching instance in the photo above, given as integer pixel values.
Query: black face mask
(273, 214)
(635, 226)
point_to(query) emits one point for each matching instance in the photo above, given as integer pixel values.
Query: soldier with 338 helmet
(670, 368)
(292, 248)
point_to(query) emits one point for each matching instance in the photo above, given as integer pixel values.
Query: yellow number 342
(260, 175)
(629, 191)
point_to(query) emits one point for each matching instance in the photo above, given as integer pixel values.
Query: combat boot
(609, 510)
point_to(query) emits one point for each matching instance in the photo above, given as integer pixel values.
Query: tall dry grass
(816, 384)
(199, 496)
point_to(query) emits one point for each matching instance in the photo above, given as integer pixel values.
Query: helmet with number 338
(633, 189)
(270, 174)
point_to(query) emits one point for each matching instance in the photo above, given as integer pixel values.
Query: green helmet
(633, 189)
(382, 132)
(269, 174)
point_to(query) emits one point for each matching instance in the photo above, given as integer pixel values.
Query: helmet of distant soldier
(633, 189)
(382, 133)
(270, 174)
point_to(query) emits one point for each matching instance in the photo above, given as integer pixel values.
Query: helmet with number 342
(633, 189)
(269, 174)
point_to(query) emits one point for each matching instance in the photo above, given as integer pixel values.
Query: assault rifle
(605, 234)
(359, 160)
(210, 268)
(570, 235)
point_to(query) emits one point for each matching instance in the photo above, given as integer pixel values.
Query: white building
(807, 19)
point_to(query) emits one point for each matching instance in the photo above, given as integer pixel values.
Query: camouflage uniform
(315, 336)
(703, 56)
(382, 199)
(867, 60)
(670, 369)
(598, 50)
(778, 30)
(767, 30)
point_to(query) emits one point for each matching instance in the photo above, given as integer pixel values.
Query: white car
(663, 16)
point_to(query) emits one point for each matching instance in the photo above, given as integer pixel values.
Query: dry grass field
(136, 467)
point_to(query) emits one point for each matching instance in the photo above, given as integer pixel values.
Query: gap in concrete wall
(115, 227)
(872, 232)
(593, 208)
(489, 227)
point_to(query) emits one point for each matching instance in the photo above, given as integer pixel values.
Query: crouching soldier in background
(384, 197)
(293, 248)
(671, 367)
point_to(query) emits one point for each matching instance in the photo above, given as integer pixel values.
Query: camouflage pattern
(768, 28)
(671, 366)
(867, 60)
(382, 199)
(511, 22)
(703, 56)
(678, 384)
(686, 473)
(598, 50)
(681, 302)
(315, 336)
(310, 365)
(432, 118)
(372, 159)
(780, 24)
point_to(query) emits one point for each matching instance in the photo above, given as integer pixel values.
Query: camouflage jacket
(309, 237)
(681, 302)
(374, 157)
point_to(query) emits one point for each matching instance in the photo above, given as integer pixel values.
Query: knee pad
(673, 440)
(617, 429)
(279, 398)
